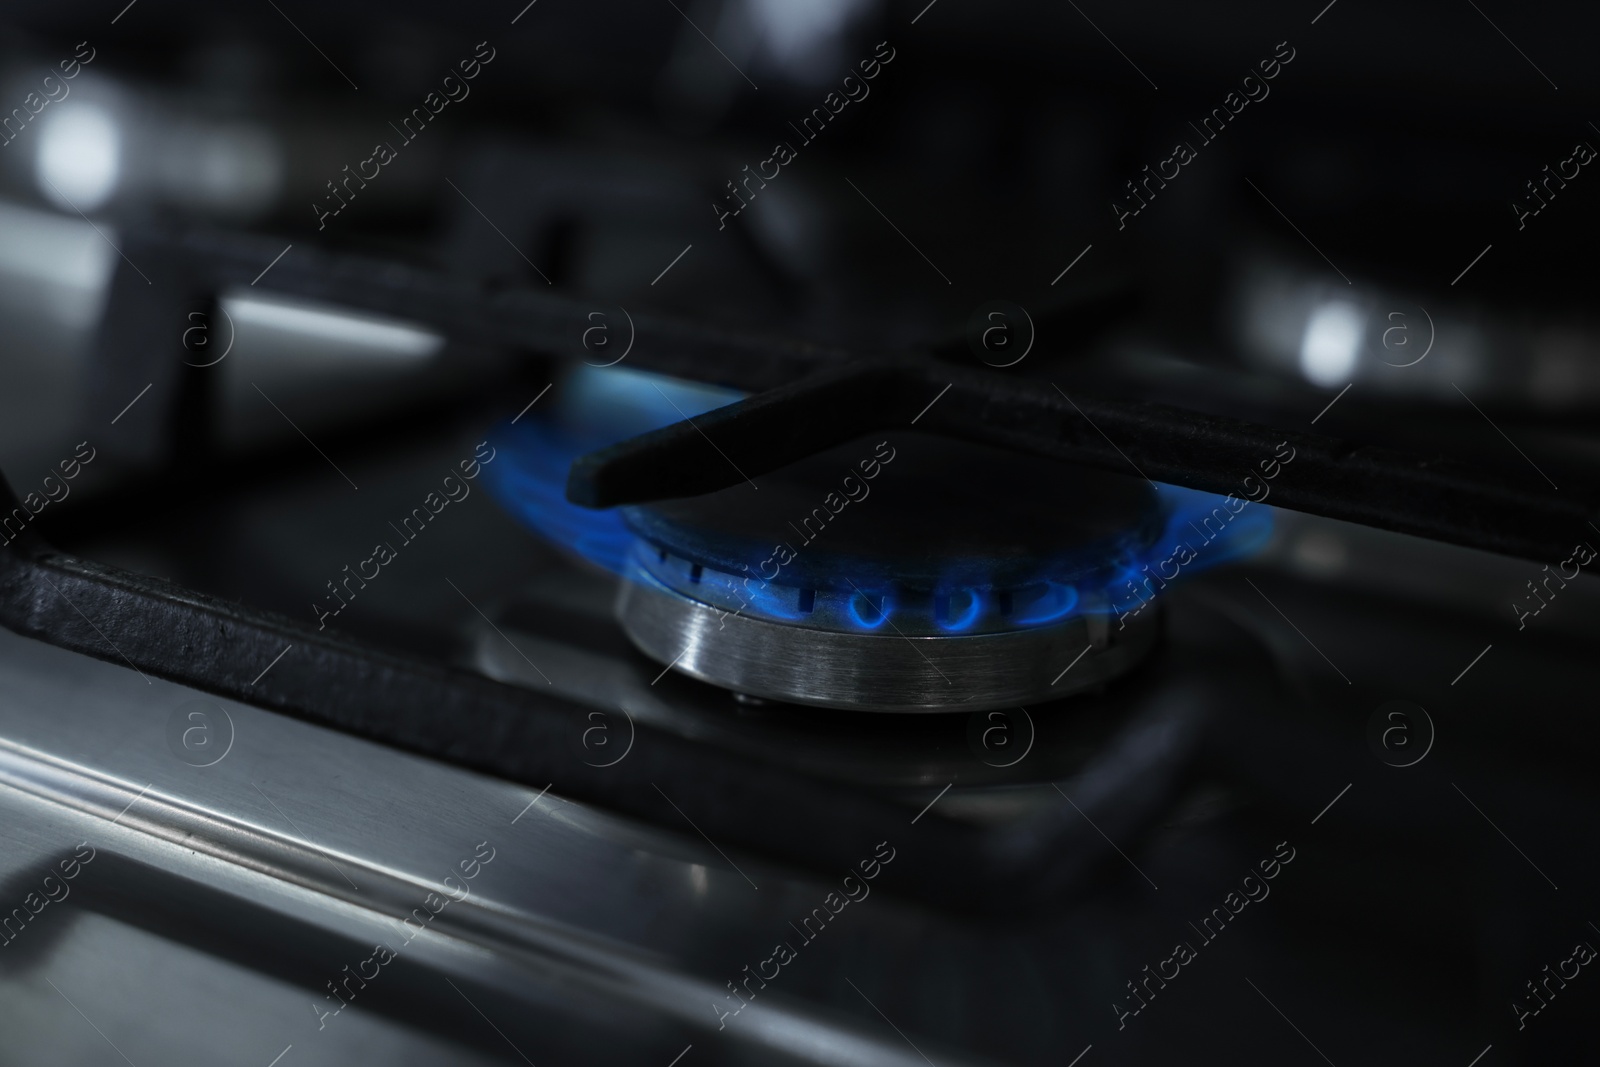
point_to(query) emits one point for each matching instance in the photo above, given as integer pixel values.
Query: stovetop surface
(346, 716)
(594, 938)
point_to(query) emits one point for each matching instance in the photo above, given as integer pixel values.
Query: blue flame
(774, 601)
(1056, 604)
(597, 407)
(968, 616)
(594, 408)
(1201, 531)
(881, 609)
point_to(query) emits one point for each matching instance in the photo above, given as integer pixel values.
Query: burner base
(879, 671)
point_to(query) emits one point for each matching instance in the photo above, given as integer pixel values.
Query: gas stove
(905, 615)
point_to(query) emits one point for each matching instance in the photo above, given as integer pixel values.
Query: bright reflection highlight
(1331, 343)
(396, 341)
(80, 157)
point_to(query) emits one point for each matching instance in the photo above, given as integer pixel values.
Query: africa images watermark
(1183, 553)
(852, 488)
(1582, 555)
(454, 90)
(200, 732)
(784, 953)
(384, 553)
(55, 891)
(55, 490)
(1184, 953)
(784, 153)
(34, 103)
(1582, 154)
(1582, 955)
(382, 954)
(783, 554)
(1210, 128)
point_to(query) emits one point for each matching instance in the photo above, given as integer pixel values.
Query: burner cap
(918, 513)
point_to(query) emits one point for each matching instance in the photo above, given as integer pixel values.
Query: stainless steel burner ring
(883, 670)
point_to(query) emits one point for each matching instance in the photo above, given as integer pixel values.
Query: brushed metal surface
(880, 671)
(222, 898)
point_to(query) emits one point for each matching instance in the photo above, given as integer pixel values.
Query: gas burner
(921, 574)
(914, 574)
